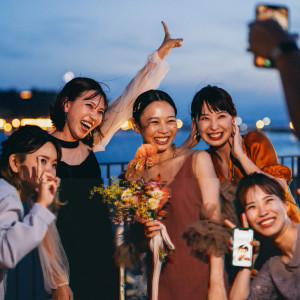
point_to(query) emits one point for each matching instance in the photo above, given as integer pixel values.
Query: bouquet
(134, 201)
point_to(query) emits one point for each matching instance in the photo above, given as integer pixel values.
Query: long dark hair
(215, 98)
(146, 98)
(70, 92)
(27, 139)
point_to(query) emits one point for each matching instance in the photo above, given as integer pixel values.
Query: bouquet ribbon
(155, 243)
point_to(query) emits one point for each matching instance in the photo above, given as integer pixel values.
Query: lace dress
(277, 280)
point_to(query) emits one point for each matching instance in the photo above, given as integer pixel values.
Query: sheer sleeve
(53, 260)
(262, 286)
(261, 151)
(120, 110)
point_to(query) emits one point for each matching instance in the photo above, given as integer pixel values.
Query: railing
(115, 168)
(291, 161)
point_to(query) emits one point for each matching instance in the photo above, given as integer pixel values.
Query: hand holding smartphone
(278, 13)
(242, 250)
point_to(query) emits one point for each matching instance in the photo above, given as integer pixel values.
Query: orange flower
(146, 155)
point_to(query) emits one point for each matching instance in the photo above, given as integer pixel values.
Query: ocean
(124, 144)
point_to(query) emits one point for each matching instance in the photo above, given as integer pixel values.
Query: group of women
(85, 122)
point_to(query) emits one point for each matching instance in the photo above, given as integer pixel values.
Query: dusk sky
(109, 41)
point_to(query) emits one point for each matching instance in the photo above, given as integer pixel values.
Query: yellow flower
(157, 194)
(153, 203)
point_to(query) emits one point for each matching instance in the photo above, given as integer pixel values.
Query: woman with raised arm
(194, 191)
(28, 173)
(84, 123)
(265, 207)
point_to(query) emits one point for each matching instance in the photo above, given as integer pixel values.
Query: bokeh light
(2, 122)
(16, 123)
(243, 127)
(238, 121)
(7, 127)
(291, 125)
(179, 123)
(267, 121)
(68, 76)
(260, 124)
(26, 94)
(127, 125)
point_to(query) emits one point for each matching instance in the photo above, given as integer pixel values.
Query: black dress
(86, 232)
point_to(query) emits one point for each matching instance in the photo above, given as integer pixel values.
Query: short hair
(70, 92)
(146, 98)
(215, 98)
(269, 185)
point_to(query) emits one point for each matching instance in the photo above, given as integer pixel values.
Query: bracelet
(61, 284)
(283, 48)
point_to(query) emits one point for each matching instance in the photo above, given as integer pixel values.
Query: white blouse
(120, 110)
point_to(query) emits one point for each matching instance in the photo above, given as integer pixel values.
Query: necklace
(173, 150)
(66, 144)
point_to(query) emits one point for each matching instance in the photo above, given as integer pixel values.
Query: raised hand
(168, 43)
(265, 37)
(47, 189)
(235, 142)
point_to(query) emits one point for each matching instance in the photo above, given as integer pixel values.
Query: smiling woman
(194, 187)
(265, 206)
(85, 123)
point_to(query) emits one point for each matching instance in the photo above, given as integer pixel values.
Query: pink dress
(184, 277)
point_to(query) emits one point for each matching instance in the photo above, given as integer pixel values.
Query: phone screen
(241, 248)
(278, 13)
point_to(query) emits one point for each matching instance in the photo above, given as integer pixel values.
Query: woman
(28, 172)
(265, 206)
(78, 115)
(234, 156)
(194, 189)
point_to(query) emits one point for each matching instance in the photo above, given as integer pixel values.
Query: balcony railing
(292, 161)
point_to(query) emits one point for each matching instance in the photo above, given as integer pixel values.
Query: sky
(109, 41)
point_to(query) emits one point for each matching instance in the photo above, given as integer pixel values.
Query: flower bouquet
(135, 200)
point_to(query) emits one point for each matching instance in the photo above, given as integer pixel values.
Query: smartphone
(241, 248)
(275, 12)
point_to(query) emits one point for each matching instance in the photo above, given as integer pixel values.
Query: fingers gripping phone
(241, 248)
(277, 13)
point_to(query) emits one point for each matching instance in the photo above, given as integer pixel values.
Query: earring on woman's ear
(197, 136)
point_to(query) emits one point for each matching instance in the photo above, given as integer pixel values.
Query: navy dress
(85, 232)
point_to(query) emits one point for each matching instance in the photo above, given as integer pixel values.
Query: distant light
(243, 127)
(2, 122)
(267, 121)
(179, 123)
(238, 121)
(291, 125)
(68, 76)
(7, 127)
(26, 94)
(43, 123)
(260, 124)
(16, 123)
(127, 125)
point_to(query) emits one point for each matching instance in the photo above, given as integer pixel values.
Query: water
(124, 144)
